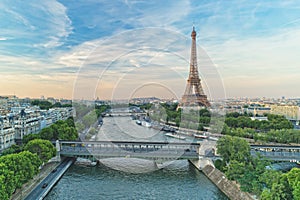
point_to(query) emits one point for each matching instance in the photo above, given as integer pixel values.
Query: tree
(233, 148)
(7, 181)
(29, 137)
(293, 177)
(47, 133)
(269, 177)
(43, 148)
(235, 170)
(12, 149)
(3, 193)
(23, 165)
(67, 133)
(281, 190)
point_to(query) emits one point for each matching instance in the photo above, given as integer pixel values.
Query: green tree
(3, 193)
(7, 180)
(12, 149)
(67, 133)
(269, 177)
(22, 167)
(281, 190)
(47, 133)
(235, 170)
(293, 177)
(29, 137)
(233, 148)
(43, 148)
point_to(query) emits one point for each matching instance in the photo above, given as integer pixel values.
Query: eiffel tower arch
(194, 95)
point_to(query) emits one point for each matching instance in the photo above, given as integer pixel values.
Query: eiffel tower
(194, 95)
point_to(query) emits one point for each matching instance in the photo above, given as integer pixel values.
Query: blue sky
(122, 48)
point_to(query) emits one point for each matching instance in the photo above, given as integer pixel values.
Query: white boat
(200, 136)
(175, 136)
(213, 138)
(93, 164)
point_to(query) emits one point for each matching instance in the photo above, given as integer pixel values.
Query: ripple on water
(178, 180)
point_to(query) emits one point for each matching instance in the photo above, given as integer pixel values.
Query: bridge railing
(134, 149)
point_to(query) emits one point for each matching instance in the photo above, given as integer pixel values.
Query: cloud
(34, 26)
(112, 40)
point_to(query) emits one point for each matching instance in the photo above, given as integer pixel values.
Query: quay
(45, 186)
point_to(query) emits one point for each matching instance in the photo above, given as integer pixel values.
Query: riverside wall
(229, 188)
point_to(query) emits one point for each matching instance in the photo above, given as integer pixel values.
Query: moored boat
(175, 136)
(200, 136)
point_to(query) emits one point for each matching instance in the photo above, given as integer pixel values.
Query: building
(258, 111)
(291, 112)
(7, 134)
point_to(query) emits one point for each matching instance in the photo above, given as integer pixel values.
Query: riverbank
(30, 185)
(229, 188)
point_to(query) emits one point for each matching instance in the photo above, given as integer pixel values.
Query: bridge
(124, 114)
(278, 152)
(158, 151)
(163, 151)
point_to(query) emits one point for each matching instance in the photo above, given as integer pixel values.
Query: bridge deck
(147, 150)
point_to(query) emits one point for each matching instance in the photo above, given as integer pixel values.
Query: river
(118, 178)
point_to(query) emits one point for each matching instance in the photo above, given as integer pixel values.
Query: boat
(213, 138)
(168, 129)
(175, 136)
(94, 163)
(138, 122)
(200, 136)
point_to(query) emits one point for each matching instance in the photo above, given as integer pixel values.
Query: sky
(121, 49)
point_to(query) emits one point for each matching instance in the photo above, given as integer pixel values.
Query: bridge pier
(57, 146)
(202, 162)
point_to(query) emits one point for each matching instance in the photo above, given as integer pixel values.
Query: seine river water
(176, 180)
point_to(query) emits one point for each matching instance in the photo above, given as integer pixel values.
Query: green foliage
(233, 126)
(281, 190)
(42, 104)
(29, 137)
(220, 165)
(81, 109)
(275, 122)
(15, 170)
(46, 105)
(269, 177)
(3, 193)
(79, 126)
(239, 165)
(62, 130)
(12, 149)
(282, 186)
(67, 133)
(293, 177)
(89, 119)
(7, 180)
(43, 148)
(233, 148)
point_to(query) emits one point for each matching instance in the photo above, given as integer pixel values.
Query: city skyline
(123, 49)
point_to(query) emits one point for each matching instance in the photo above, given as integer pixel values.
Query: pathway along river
(177, 180)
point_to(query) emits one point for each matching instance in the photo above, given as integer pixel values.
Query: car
(54, 170)
(44, 185)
